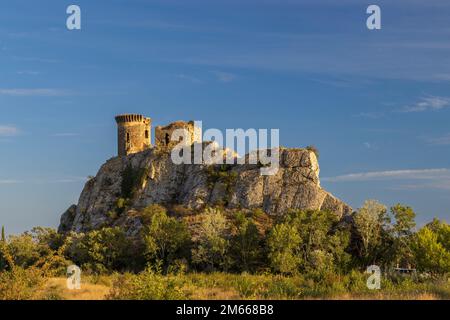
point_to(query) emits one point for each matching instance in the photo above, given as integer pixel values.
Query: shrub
(225, 175)
(20, 284)
(101, 250)
(147, 214)
(24, 250)
(148, 285)
(313, 149)
(132, 180)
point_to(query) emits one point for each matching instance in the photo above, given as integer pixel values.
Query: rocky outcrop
(158, 180)
(67, 219)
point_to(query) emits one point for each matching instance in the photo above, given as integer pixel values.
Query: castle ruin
(134, 134)
(163, 135)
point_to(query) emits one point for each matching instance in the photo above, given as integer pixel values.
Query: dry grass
(220, 286)
(385, 296)
(215, 294)
(57, 288)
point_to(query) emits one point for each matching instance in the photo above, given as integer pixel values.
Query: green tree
(284, 246)
(309, 241)
(3, 234)
(211, 237)
(101, 250)
(404, 220)
(430, 253)
(165, 238)
(403, 230)
(371, 223)
(324, 240)
(442, 229)
(23, 249)
(245, 243)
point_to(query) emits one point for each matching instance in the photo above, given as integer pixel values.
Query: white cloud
(440, 141)
(422, 174)
(8, 131)
(5, 181)
(20, 92)
(428, 103)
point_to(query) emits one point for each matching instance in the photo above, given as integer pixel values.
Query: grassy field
(220, 286)
(56, 288)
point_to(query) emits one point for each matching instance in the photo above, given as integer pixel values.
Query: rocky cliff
(129, 183)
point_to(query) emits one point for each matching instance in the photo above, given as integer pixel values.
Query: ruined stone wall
(134, 133)
(163, 135)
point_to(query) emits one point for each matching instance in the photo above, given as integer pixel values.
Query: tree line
(235, 241)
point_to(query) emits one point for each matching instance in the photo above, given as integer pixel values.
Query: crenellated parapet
(131, 118)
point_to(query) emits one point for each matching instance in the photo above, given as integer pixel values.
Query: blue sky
(375, 103)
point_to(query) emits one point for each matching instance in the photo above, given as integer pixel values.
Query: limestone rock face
(296, 185)
(67, 218)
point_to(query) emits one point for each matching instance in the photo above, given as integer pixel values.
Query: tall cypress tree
(3, 234)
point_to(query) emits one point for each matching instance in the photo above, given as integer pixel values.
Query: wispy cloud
(35, 59)
(421, 174)
(45, 92)
(443, 184)
(64, 180)
(28, 73)
(65, 134)
(8, 131)
(428, 104)
(57, 180)
(6, 181)
(370, 115)
(440, 141)
(189, 78)
(224, 76)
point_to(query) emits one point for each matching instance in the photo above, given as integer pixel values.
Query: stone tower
(133, 133)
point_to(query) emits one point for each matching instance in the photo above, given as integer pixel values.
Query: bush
(148, 285)
(24, 250)
(147, 214)
(20, 283)
(313, 149)
(226, 176)
(101, 250)
(132, 180)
